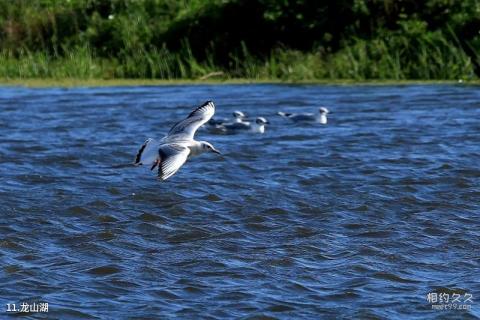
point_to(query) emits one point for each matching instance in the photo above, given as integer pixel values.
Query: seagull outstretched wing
(170, 158)
(185, 129)
(148, 153)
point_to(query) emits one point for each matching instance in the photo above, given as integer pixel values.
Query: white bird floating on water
(257, 127)
(320, 117)
(172, 151)
(238, 116)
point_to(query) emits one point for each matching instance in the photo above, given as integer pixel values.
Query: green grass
(430, 56)
(379, 40)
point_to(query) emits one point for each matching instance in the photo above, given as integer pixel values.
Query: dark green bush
(301, 39)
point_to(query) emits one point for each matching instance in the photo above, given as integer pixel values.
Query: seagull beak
(268, 122)
(216, 151)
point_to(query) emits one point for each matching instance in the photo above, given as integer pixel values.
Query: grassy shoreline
(196, 39)
(74, 82)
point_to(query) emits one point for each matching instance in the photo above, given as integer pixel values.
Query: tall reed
(390, 57)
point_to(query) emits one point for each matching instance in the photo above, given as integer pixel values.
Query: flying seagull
(320, 117)
(172, 151)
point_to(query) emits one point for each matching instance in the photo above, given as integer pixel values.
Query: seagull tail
(147, 154)
(284, 114)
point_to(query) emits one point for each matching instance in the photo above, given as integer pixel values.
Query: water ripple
(361, 218)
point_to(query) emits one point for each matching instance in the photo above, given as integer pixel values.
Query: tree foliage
(216, 30)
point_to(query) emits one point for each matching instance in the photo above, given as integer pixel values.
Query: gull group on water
(239, 123)
(238, 116)
(257, 126)
(320, 117)
(172, 151)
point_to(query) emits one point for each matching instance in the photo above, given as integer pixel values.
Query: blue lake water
(361, 218)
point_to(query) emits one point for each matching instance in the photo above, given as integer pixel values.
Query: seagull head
(323, 110)
(261, 121)
(207, 147)
(239, 114)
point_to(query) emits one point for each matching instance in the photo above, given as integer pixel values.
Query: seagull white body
(320, 117)
(238, 116)
(258, 126)
(172, 151)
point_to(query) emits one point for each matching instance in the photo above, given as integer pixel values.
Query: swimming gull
(172, 151)
(320, 117)
(258, 126)
(238, 116)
